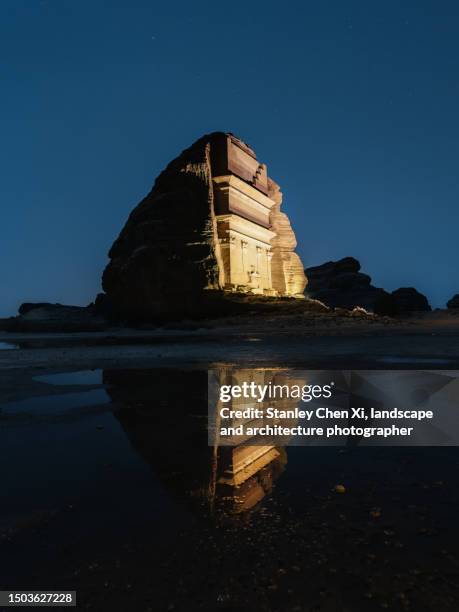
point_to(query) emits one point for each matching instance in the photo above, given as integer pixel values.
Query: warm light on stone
(211, 226)
(257, 241)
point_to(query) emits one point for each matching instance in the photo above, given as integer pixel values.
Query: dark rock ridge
(27, 307)
(408, 299)
(43, 316)
(340, 284)
(453, 302)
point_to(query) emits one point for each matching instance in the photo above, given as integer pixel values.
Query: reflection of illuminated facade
(246, 475)
(245, 472)
(163, 412)
(242, 462)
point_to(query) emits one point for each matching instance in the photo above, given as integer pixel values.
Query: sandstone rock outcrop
(408, 299)
(167, 249)
(210, 226)
(453, 303)
(341, 284)
(288, 276)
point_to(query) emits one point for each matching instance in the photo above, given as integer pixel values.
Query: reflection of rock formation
(164, 414)
(211, 222)
(244, 473)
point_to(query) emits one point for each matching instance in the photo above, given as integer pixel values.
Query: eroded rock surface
(288, 276)
(341, 284)
(164, 258)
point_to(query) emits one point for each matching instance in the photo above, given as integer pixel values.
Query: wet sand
(315, 341)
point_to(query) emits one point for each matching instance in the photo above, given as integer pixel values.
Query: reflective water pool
(114, 492)
(8, 345)
(83, 377)
(413, 360)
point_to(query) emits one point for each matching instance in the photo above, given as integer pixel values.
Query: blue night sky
(353, 105)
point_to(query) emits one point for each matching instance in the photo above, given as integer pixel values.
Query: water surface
(83, 377)
(8, 346)
(114, 492)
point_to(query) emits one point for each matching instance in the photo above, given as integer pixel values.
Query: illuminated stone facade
(256, 240)
(211, 226)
